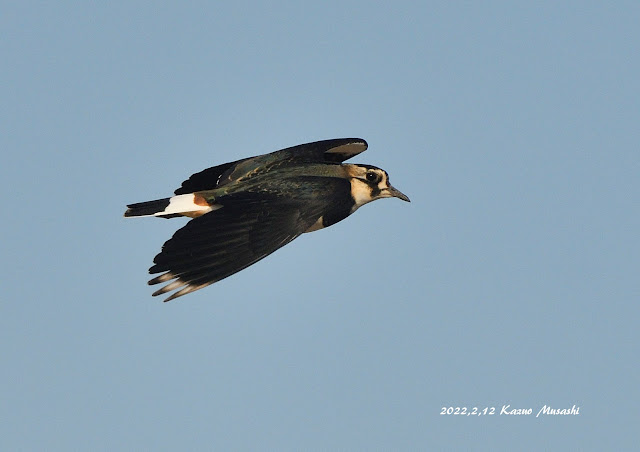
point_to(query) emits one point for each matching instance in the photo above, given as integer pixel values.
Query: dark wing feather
(208, 179)
(326, 151)
(248, 228)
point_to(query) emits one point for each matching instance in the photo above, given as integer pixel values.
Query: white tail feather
(191, 205)
(184, 204)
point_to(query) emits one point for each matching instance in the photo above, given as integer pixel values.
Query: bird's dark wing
(327, 151)
(248, 228)
(208, 179)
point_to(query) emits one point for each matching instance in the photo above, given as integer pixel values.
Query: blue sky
(511, 278)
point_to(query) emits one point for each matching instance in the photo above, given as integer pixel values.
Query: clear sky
(510, 279)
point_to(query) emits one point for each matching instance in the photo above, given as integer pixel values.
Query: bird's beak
(397, 194)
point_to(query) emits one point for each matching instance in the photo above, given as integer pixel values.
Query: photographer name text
(508, 410)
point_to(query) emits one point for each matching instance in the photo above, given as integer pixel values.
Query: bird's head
(369, 183)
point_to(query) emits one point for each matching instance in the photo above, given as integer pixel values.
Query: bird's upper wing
(209, 178)
(248, 228)
(327, 151)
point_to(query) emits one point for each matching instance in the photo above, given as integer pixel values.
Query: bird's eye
(372, 177)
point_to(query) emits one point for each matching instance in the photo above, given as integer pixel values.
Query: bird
(242, 211)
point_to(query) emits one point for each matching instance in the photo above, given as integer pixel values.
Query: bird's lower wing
(218, 244)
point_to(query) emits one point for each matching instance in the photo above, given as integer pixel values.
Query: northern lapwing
(245, 210)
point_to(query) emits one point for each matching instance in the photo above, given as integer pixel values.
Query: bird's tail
(190, 205)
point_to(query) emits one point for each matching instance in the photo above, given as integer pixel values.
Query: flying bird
(245, 210)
